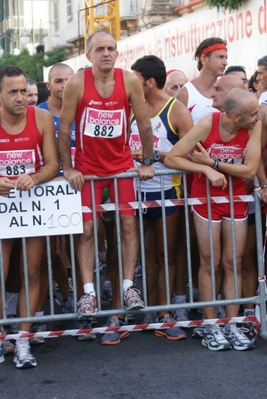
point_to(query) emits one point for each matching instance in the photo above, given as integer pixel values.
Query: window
(69, 14)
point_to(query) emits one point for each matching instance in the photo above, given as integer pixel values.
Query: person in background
(211, 56)
(43, 92)
(170, 121)
(238, 70)
(32, 92)
(174, 81)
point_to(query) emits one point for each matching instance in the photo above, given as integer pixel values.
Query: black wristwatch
(156, 156)
(148, 161)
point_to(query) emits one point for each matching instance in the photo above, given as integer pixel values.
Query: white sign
(48, 209)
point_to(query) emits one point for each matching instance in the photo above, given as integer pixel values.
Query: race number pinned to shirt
(227, 154)
(135, 142)
(103, 123)
(16, 163)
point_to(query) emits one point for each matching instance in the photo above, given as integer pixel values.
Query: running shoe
(2, 357)
(138, 271)
(22, 355)
(180, 315)
(8, 348)
(37, 327)
(215, 340)
(114, 337)
(70, 284)
(132, 300)
(93, 320)
(220, 312)
(198, 332)
(68, 305)
(150, 318)
(87, 305)
(11, 328)
(172, 333)
(238, 340)
(82, 325)
(107, 291)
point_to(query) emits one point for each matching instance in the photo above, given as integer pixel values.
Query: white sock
(88, 288)
(12, 302)
(179, 298)
(126, 284)
(39, 314)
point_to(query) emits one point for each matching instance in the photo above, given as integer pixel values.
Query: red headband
(214, 47)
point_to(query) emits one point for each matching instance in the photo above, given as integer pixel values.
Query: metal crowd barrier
(259, 300)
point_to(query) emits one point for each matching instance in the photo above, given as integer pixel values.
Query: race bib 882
(103, 123)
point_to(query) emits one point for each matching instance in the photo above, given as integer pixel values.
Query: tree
(32, 65)
(229, 5)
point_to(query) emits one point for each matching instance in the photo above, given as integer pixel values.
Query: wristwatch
(148, 161)
(156, 156)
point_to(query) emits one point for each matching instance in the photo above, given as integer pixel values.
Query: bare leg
(249, 268)
(7, 246)
(86, 253)
(205, 279)
(151, 263)
(129, 243)
(35, 247)
(227, 261)
(171, 227)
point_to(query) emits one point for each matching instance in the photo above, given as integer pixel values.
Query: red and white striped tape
(173, 202)
(136, 327)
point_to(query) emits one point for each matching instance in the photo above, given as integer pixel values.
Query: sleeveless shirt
(21, 153)
(102, 146)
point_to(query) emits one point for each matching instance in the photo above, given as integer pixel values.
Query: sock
(12, 302)
(126, 284)
(39, 314)
(179, 298)
(89, 289)
(249, 311)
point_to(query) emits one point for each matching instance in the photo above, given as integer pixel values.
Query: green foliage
(229, 5)
(32, 65)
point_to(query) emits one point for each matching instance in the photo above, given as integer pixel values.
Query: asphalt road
(141, 366)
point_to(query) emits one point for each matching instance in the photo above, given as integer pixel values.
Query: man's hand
(24, 182)
(5, 186)
(138, 155)
(75, 178)
(145, 172)
(263, 194)
(216, 178)
(201, 156)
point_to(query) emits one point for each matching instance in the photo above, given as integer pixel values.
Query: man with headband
(211, 56)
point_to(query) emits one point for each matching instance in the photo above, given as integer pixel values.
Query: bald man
(222, 86)
(222, 144)
(174, 81)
